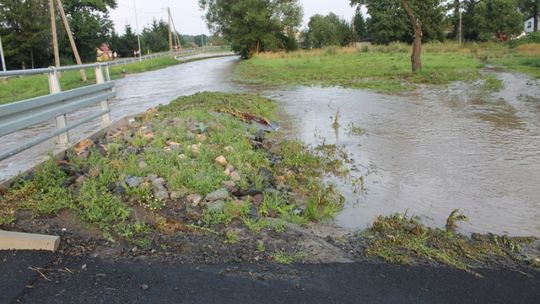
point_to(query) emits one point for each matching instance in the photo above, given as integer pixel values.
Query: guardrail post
(106, 118)
(61, 121)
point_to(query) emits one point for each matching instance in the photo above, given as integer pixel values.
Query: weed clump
(402, 239)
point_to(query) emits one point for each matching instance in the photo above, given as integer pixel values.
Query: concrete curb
(28, 241)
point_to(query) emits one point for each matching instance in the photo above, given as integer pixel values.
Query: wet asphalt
(33, 277)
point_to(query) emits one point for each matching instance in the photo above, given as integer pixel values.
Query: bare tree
(416, 57)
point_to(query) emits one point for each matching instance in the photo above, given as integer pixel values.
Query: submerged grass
(383, 68)
(402, 239)
(180, 143)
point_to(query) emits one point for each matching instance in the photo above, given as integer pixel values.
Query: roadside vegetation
(385, 68)
(193, 166)
(404, 240)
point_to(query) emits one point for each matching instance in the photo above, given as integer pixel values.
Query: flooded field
(425, 152)
(431, 151)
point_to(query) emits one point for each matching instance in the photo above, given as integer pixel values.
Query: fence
(23, 114)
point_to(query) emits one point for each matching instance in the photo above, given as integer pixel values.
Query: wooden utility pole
(71, 40)
(170, 30)
(176, 36)
(54, 34)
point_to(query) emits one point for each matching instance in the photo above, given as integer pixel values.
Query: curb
(28, 241)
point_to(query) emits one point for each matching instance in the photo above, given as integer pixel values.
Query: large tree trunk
(416, 57)
(457, 6)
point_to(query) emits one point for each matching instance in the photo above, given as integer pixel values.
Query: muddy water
(135, 94)
(432, 151)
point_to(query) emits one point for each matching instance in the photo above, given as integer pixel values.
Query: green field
(19, 88)
(382, 68)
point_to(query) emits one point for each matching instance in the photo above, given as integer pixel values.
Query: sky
(187, 15)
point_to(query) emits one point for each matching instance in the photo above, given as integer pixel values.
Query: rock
(80, 180)
(221, 160)
(227, 172)
(174, 145)
(201, 137)
(216, 206)
(257, 199)
(132, 123)
(194, 199)
(161, 193)
(152, 177)
(149, 135)
(142, 165)
(229, 185)
(220, 194)
(134, 181)
(229, 149)
(144, 286)
(235, 176)
(175, 195)
(158, 182)
(196, 149)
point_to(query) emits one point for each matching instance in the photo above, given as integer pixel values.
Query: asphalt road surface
(33, 278)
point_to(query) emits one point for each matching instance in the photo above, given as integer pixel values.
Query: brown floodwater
(426, 152)
(431, 151)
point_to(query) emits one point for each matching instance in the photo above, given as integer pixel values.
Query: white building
(529, 24)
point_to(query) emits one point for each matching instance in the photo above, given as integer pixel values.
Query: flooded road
(426, 152)
(431, 151)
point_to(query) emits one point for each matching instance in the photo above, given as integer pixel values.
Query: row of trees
(481, 19)
(26, 33)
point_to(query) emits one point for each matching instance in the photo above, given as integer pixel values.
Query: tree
(90, 25)
(498, 17)
(389, 22)
(359, 24)
(327, 30)
(25, 31)
(416, 57)
(530, 8)
(252, 26)
(155, 38)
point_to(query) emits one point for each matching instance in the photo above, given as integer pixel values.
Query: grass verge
(383, 68)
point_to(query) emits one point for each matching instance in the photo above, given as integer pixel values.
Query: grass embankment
(384, 68)
(19, 88)
(191, 166)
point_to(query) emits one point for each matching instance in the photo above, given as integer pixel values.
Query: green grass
(399, 239)
(381, 68)
(20, 88)
(103, 198)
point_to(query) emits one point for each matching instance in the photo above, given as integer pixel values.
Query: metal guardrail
(22, 114)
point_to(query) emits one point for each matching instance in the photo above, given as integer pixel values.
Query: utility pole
(54, 35)
(460, 24)
(71, 40)
(137, 29)
(170, 30)
(2, 55)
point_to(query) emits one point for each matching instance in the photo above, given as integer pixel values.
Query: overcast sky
(187, 15)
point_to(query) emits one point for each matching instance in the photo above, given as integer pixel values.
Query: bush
(529, 38)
